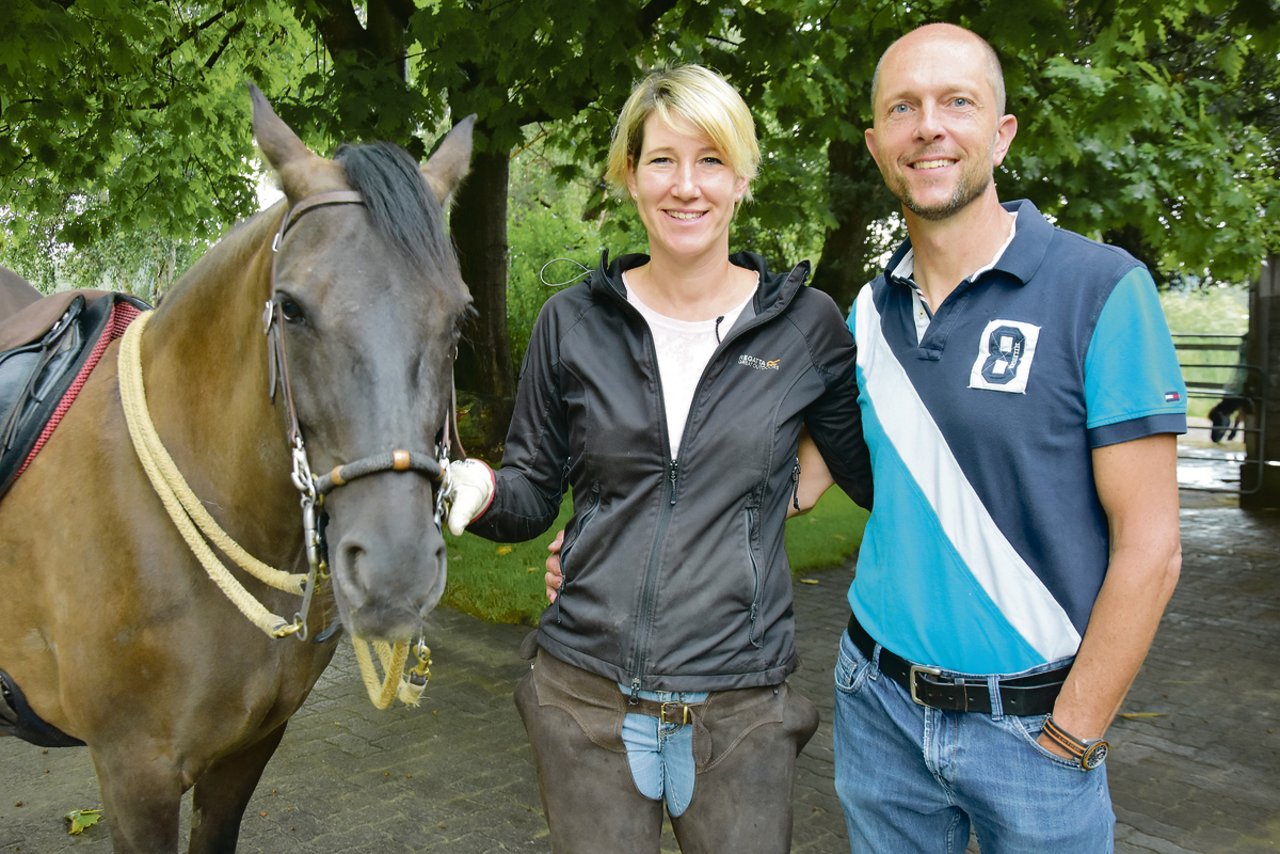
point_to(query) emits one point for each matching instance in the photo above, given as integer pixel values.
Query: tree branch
(230, 34)
(192, 31)
(652, 11)
(645, 22)
(336, 22)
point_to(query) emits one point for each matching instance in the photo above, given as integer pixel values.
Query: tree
(114, 118)
(1152, 123)
(1148, 124)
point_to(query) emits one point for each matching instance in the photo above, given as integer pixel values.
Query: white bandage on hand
(471, 485)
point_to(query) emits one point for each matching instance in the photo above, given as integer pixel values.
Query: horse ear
(445, 169)
(279, 144)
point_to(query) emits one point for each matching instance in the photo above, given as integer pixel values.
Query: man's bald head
(940, 37)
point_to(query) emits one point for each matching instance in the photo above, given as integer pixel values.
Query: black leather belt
(1022, 695)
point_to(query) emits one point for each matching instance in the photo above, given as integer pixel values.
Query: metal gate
(1217, 452)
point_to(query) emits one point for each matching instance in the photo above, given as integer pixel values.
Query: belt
(669, 712)
(1020, 695)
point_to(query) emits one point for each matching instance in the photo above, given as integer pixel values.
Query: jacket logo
(1005, 352)
(758, 363)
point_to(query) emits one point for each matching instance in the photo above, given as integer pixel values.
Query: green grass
(500, 582)
(827, 535)
(503, 583)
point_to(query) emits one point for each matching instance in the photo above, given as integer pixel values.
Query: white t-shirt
(684, 347)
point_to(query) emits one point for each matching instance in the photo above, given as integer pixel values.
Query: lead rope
(184, 508)
(395, 683)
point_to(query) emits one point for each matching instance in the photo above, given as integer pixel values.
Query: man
(1020, 397)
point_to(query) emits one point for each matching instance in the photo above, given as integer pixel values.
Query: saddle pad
(41, 377)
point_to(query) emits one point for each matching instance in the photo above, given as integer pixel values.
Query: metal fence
(1216, 456)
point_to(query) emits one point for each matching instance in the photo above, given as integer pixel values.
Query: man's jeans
(912, 779)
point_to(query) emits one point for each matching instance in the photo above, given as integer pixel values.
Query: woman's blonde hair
(700, 97)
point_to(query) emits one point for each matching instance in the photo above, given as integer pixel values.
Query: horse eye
(290, 310)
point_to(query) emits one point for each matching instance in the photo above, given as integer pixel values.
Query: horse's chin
(383, 624)
(383, 621)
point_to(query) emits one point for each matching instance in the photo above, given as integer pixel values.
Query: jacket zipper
(644, 624)
(795, 483)
(564, 552)
(754, 615)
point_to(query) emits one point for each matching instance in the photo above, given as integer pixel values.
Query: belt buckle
(682, 716)
(911, 677)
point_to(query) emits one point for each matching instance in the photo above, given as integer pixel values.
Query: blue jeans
(914, 779)
(661, 755)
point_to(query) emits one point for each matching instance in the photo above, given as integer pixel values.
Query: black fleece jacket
(675, 573)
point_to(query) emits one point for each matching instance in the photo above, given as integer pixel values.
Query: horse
(1228, 416)
(111, 630)
(15, 293)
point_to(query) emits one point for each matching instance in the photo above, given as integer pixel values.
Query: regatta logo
(758, 363)
(1005, 353)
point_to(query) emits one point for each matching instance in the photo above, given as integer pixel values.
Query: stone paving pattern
(1195, 765)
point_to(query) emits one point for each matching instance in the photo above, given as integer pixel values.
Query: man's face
(938, 134)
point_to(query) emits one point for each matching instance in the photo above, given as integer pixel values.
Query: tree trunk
(484, 372)
(858, 198)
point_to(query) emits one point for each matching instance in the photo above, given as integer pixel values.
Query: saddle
(47, 351)
(17, 718)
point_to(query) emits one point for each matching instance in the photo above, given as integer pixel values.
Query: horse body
(112, 629)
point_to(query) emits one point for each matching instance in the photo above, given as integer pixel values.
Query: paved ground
(1195, 765)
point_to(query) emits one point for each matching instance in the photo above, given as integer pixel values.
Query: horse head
(368, 300)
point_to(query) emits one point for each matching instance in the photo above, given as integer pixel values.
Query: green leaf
(79, 821)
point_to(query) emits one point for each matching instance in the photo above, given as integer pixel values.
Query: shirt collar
(1020, 256)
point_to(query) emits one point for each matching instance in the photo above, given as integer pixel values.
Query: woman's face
(684, 190)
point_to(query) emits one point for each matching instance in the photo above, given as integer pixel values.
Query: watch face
(1094, 755)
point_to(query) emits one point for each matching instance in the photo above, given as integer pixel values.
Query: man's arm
(815, 477)
(1138, 486)
(554, 576)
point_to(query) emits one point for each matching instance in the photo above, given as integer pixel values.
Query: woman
(669, 391)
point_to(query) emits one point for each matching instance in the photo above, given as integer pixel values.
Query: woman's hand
(469, 486)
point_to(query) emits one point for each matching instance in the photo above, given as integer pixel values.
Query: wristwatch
(1089, 753)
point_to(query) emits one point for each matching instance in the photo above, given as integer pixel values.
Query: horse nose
(389, 583)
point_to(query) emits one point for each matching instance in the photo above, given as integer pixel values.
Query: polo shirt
(988, 543)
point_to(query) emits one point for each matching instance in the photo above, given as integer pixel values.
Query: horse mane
(402, 208)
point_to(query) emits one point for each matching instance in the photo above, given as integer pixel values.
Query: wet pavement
(1195, 762)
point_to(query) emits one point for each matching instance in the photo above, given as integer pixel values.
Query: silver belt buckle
(920, 668)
